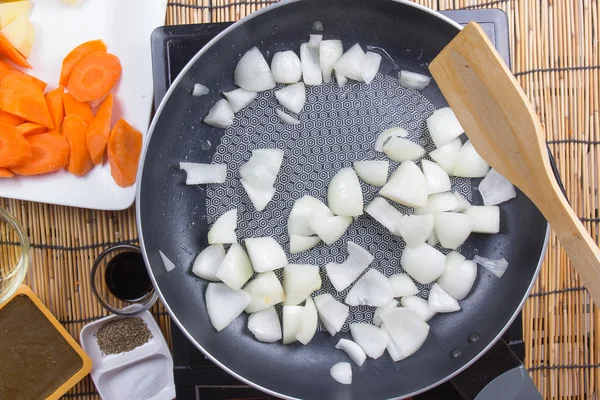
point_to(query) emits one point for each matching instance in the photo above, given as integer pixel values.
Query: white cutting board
(125, 26)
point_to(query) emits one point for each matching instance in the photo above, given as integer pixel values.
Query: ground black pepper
(122, 335)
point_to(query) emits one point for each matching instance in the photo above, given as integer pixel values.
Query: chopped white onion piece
(311, 71)
(220, 115)
(353, 350)
(265, 325)
(223, 230)
(330, 229)
(292, 323)
(384, 213)
(496, 267)
(424, 263)
(239, 98)
(329, 52)
(342, 373)
(309, 322)
(380, 310)
(415, 229)
(373, 289)
(392, 347)
(386, 135)
(344, 194)
(224, 304)
(452, 229)
(412, 80)
(265, 291)
(406, 186)
(292, 97)
(462, 202)
(432, 240)
(340, 79)
(419, 306)
(402, 285)
(208, 262)
(333, 314)
(485, 219)
(443, 126)
(439, 202)
(259, 197)
(370, 66)
(344, 274)
(446, 155)
(406, 329)
(453, 259)
(169, 266)
(496, 189)
(304, 210)
(286, 118)
(253, 73)
(199, 90)
(266, 254)
(198, 174)
(298, 243)
(236, 269)
(350, 63)
(370, 338)
(440, 301)
(271, 159)
(469, 163)
(437, 179)
(400, 149)
(372, 172)
(299, 282)
(314, 44)
(286, 67)
(458, 280)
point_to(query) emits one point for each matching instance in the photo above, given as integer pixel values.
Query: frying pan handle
(497, 375)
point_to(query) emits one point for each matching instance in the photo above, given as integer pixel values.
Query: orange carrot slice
(124, 148)
(5, 66)
(14, 149)
(20, 96)
(76, 55)
(99, 130)
(7, 72)
(73, 129)
(10, 119)
(30, 128)
(5, 173)
(49, 153)
(76, 107)
(94, 76)
(54, 101)
(9, 51)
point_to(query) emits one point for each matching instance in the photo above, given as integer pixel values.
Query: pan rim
(143, 246)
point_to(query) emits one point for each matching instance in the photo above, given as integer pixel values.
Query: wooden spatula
(503, 127)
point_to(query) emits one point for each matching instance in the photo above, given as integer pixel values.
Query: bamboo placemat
(555, 55)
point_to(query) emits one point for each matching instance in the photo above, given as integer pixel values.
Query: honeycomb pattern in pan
(338, 126)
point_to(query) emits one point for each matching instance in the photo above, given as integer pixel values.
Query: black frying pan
(166, 208)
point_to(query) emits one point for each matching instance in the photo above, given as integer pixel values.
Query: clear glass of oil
(14, 254)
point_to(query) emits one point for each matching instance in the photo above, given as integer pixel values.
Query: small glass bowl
(103, 293)
(14, 255)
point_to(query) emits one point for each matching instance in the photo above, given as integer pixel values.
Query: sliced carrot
(15, 71)
(49, 153)
(54, 101)
(73, 129)
(76, 55)
(74, 106)
(20, 96)
(124, 148)
(99, 130)
(10, 119)
(5, 173)
(14, 149)
(94, 76)
(6, 66)
(9, 51)
(30, 128)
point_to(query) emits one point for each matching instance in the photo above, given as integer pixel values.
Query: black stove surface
(196, 377)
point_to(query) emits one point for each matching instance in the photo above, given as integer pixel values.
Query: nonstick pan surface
(338, 126)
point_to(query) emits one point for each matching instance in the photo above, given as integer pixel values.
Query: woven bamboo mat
(555, 55)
